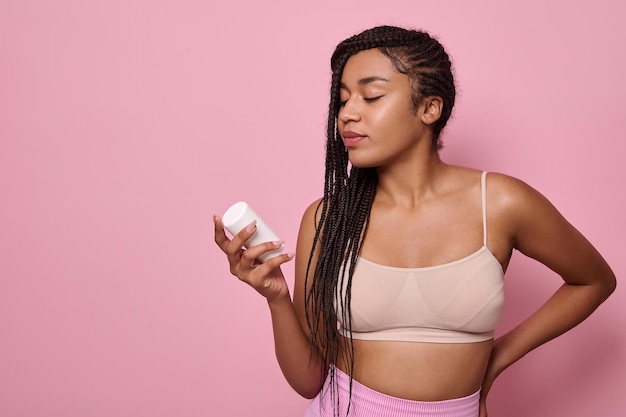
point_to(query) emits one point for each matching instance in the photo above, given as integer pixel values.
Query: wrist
(502, 355)
(280, 302)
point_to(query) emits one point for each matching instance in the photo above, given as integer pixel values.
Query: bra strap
(483, 189)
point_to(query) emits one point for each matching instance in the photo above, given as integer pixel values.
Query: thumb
(482, 412)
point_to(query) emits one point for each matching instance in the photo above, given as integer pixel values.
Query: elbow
(309, 388)
(611, 285)
(309, 395)
(309, 392)
(607, 286)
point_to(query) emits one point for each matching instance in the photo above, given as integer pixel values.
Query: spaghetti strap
(483, 189)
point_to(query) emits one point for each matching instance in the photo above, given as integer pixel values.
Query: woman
(408, 253)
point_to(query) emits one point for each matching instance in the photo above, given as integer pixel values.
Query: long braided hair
(349, 191)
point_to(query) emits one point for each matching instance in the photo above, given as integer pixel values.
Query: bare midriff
(420, 371)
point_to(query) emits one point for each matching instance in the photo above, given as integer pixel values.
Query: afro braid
(349, 191)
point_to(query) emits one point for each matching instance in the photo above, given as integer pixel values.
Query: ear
(431, 109)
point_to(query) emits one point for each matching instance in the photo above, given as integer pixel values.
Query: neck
(410, 182)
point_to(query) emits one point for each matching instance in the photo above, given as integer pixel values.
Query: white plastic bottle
(238, 216)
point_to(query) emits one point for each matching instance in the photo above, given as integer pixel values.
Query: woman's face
(377, 120)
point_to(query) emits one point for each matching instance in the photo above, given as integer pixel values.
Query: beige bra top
(457, 302)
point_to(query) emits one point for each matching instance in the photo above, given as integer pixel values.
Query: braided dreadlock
(349, 191)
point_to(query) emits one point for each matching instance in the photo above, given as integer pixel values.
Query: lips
(351, 138)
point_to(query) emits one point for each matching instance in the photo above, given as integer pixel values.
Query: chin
(362, 162)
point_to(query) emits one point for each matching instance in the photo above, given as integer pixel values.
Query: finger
(265, 268)
(240, 239)
(257, 251)
(220, 235)
(483, 404)
(264, 276)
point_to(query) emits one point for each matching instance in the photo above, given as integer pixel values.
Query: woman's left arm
(539, 231)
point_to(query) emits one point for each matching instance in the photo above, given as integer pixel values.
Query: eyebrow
(366, 80)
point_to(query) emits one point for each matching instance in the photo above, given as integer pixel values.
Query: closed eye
(342, 103)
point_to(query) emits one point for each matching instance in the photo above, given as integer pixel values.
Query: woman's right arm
(300, 364)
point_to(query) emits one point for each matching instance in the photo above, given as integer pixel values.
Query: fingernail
(251, 226)
(266, 283)
(278, 243)
(291, 255)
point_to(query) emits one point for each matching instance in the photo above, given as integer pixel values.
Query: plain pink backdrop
(125, 124)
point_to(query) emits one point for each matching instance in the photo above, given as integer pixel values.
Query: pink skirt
(366, 402)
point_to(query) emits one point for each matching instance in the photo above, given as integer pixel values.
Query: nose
(349, 112)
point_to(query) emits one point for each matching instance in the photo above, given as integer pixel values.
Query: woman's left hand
(482, 412)
(495, 366)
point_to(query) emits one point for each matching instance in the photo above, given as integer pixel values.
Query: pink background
(125, 124)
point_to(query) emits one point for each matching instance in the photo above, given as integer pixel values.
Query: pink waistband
(366, 402)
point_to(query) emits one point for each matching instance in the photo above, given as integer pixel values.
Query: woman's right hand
(267, 277)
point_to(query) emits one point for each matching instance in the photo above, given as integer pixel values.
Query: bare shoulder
(508, 188)
(312, 213)
(305, 259)
(540, 231)
(506, 194)
(520, 206)
(308, 227)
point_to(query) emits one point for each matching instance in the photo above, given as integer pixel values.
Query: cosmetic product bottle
(238, 216)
